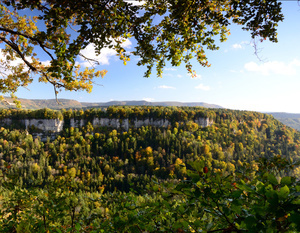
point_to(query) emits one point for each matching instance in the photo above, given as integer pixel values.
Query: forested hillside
(180, 178)
(290, 119)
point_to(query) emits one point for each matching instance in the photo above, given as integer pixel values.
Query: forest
(237, 174)
(240, 174)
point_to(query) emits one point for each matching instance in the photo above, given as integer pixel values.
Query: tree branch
(31, 67)
(231, 227)
(16, 48)
(89, 59)
(29, 37)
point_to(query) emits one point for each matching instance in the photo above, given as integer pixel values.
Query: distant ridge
(289, 119)
(68, 103)
(146, 103)
(43, 103)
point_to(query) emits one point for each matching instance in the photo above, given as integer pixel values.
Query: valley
(94, 177)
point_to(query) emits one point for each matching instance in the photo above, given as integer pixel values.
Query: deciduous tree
(164, 31)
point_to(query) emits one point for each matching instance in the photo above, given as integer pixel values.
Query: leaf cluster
(164, 31)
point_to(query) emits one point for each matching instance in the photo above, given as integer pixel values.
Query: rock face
(204, 122)
(43, 128)
(6, 121)
(126, 123)
(51, 127)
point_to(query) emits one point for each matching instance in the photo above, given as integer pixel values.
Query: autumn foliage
(238, 174)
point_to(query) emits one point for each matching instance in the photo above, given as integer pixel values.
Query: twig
(29, 37)
(15, 47)
(257, 50)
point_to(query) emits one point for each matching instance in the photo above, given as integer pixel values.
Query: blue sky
(237, 79)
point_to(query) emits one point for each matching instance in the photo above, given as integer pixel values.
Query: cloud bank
(274, 67)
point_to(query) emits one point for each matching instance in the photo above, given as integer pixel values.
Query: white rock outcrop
(137, 123)
(53, 125)
(56, 125)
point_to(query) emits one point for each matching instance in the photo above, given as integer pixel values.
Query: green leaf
(272, 179)
(296, 202)
(185, 224)
(250, 221)
(198, 165)
(77, 226)
(286, 180)
(236, 207)
(295, 217)
(259, 209)
(244, 187)
(155, 188)
(272, 198)
(237, 194)
(198, 223)
(284, 192)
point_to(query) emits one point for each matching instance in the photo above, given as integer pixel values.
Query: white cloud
(295, 62)
(170, 68)
(127, 43)
(136, 2)
(202, 87)
(15, 62)
(19, 61)
(273, 67)
(179, 76)
(103, 57)
(166, 87)
(148, 99)
(240, 45)
(237, 46)
(46, 63)
(5, 70)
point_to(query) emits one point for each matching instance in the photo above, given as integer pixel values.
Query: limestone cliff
(126, 123)
(51, 127)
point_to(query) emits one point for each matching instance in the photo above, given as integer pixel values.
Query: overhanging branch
(44, 47)
(17, 50)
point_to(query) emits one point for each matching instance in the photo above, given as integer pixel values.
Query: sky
(237, 78)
